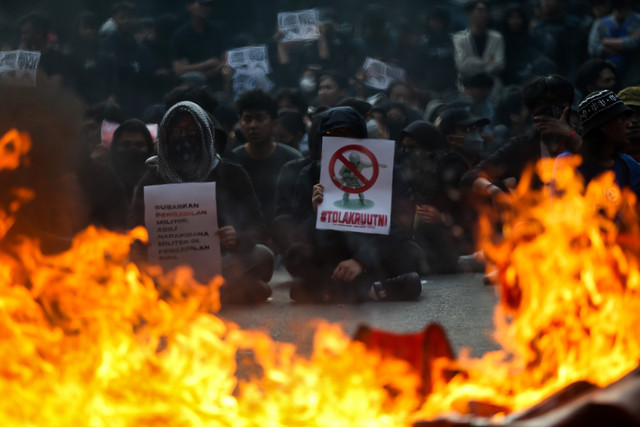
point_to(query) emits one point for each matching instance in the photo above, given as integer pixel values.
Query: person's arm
(458, 48)
(136, 212)
(348, 270)
(497, 61)
(323, 44)
(317, 197)
(484, 187)
(181, 64)
(303, 210)
(597, 33)
(626, 44)
(560, 129)
(506, 162)
(209, 67)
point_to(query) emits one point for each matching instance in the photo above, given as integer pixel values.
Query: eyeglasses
(188, 130)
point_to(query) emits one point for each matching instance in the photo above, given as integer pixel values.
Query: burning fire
(87, 338)
(570, 302)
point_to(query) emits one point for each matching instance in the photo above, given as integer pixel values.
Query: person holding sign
(339, 266)
(186, 154)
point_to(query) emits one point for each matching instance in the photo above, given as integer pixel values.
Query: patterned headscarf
(209, 159)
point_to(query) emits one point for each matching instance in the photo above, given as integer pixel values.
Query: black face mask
(472, 143)
(395, 128)
(185, 152)
(129, 165)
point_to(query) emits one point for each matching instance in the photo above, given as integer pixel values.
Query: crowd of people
(478, 105)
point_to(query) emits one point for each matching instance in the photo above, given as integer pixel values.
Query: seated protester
(34, 31)
(548, 99)
(466, 146)
(631, 98)
(403, 93)
(396, 119)
(463, 133)
(261, 157)
(92, 74)
(186, 154)
(366, 109)
(332, 87)
(284, 230)
(131, 146)
(291, 130)
(595, 74)
(335, 266)
(606, 124)
(134, 64)
(511, 116)
(201, 95)
(291, 99)
(478, 88)
(431, 172)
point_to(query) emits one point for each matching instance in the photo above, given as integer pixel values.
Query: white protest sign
(106, 132)
(357, 176)
(252, 59)
(380, 74)
(243, 81)
(18, 67)
(182, 222)
(300, 25)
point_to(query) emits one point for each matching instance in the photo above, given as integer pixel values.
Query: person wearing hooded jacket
(433, 174)
(186, 154)
(336, 266)
(132, 145)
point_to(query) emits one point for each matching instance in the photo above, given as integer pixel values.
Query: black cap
(459, 117)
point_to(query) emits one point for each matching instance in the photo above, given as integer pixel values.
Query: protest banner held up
(250, 65)
(357, 176)
(182, 222)
(19, 67)
(380, 74)
(300, 25)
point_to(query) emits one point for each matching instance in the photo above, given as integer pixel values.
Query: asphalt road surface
(460, 303)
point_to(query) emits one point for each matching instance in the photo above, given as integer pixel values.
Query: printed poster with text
(182, 222)
(357, 176)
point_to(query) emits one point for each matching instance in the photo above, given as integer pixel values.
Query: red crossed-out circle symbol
(367, 182)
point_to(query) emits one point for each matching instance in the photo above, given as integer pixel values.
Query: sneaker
(407, 286)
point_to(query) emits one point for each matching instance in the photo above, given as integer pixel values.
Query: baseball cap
(460, 117)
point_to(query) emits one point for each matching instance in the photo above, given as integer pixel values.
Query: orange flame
(570, 302)
(87, 338)
(14, 145)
